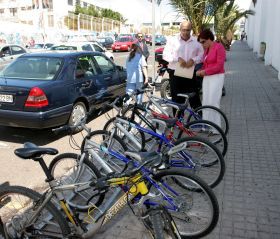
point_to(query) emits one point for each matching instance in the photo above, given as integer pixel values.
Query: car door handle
(86, 84)
(108, 78)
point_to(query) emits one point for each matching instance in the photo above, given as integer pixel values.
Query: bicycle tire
(140, 138)
(78, 200)
(224, 119)
(142, 116)
(165, 91)
(191, 211)
(210, 131)
(117, 145)
(15, 222)
(161, 224)
(207, 161)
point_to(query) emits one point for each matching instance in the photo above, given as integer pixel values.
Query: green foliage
(91, 11)
(202, 13)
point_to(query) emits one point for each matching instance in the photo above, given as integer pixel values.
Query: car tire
(114, 50)
(79, 111)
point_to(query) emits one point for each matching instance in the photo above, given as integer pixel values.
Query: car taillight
(36, 98)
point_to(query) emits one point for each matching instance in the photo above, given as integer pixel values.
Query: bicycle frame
(187, 159)
(114, 204)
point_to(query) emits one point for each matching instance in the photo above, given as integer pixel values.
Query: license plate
(6, 98)
(117, 47)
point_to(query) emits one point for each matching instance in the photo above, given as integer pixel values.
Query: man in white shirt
(186, 50)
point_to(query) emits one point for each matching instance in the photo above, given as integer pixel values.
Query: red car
(123, 43)
(148, 39)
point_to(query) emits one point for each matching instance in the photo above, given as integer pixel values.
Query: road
(27, 172)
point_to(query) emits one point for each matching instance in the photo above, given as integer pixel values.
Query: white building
(263, 29)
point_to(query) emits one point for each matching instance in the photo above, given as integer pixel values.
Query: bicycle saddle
(32, 151)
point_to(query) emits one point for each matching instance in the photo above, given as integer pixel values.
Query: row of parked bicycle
(162, 166)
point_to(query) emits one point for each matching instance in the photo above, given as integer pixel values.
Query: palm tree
(225, 19)
(199, 12)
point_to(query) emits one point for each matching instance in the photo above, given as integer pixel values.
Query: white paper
(184, 72)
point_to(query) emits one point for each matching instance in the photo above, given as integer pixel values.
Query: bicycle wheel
(197, 212)
(138, 135)
(17, 207)
(161, 224)
(112, 142)
(141, 117)
(198, 115)
(207, 130)
(68, 169)
(200, 157)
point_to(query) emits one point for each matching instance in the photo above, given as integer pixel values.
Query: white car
(40, 47)
(83, 46)
(9, 52)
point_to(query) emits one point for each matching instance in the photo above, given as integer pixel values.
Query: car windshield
(123, 39)
(37, 68)
(62, 48)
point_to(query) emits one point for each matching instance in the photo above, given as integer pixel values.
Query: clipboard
(184, 72)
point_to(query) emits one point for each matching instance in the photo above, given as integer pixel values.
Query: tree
(199, 12)
(202, 12)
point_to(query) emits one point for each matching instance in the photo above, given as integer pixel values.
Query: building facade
(263, 31)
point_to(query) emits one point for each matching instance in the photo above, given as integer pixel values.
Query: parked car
(123, 43)
(9, 52)
(106, 42)
(49, 89)
(160, 40)
(158, 56)
(83, 46)
(148, 39)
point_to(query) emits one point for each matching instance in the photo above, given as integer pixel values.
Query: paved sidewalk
(249, 195)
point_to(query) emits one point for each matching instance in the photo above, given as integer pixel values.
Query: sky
(138, 11)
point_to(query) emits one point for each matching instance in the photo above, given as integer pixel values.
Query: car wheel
(114, 50)
(78, 112)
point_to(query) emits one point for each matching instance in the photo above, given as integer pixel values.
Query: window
(17, 50)
(85, 4)
(87, 47)
(105, 65)
(98, 48)
(13, 11)
(85, 67)
(70, 2)
(6, 51)
(37, 68)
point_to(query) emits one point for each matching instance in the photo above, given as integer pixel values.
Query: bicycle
(30, 214)
(191, 153)
(143, 115)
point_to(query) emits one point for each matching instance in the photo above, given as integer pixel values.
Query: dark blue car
(44, 90)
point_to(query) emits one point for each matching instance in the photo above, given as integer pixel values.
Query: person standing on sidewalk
(136, 68)
(185, 49)
(213, 73)
(143, 45)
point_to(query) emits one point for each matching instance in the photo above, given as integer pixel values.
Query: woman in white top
(136, 67)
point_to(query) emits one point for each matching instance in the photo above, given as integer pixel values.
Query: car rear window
(39, 68)
(63, 48)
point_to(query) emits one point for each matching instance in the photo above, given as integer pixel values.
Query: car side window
(98, 48)
(85, 67)
(87, 47)
(105, 65)
(17, 50)
(6, 51)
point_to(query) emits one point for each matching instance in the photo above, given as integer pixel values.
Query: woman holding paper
(213, 73)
